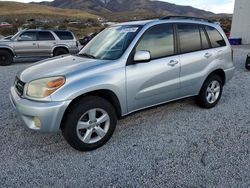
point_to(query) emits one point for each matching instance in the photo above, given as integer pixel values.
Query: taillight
(76, 44)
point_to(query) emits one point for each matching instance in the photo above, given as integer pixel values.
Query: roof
(169, 19)
(55, 30)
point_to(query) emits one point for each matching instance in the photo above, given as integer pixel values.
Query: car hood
(58, 66)
(5, 41)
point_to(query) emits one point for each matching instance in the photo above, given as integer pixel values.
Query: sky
(216, 6)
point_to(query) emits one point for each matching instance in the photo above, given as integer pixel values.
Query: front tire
(211, 91)
(89, 123)
(6, 58)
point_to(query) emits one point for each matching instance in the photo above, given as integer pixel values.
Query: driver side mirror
(142, 56)
(19, 39)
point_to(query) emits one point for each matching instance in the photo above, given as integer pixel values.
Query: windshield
(13, 37)
(111, 43)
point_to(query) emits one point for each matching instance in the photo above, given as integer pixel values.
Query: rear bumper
(229, 73)
(46, 114)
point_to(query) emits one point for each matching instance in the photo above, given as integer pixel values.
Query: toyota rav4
(125, 68)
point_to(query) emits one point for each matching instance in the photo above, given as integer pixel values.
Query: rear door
(195, 56)
(46, 41)
(156, 81)
(217, 43)
(26, 44)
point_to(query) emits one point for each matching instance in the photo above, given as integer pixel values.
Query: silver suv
(125, 68)
(29, 44)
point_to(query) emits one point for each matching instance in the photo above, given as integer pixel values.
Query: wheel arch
(9, 50)
(58, 47)
(108, 95)
(220, 73)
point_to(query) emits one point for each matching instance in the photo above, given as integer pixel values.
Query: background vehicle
(30, 44)
(86, 39)
(5, 25)
(125, 68)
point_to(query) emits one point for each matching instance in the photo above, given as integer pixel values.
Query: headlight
(44, 87)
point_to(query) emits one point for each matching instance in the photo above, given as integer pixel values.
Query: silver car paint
(136, 86)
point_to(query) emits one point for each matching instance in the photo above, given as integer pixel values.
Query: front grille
(19, 85)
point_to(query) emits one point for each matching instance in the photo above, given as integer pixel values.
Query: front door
(26, 44)
(156, 81)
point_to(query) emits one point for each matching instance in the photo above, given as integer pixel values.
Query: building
(241, 21)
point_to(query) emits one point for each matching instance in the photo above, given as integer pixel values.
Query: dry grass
(13, 8)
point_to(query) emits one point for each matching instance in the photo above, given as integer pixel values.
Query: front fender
(113, 81)
(8, 48)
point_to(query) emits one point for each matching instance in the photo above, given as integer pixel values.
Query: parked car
(125, 68)
(86, 39)
(5, 25)
(37, 43)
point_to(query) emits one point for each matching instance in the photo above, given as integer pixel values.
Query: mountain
(121, 6)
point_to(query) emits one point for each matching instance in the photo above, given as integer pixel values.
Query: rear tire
(89, 123)
(60, 51)
(211, 91)
(6, 58)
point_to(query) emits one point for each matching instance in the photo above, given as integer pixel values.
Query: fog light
(37, 122)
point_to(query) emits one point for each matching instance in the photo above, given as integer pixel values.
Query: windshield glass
(13, 37)
(111, 43)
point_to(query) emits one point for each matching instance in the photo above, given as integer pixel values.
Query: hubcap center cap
(93, 124)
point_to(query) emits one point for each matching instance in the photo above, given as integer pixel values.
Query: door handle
(34, 44)
(207, 55)
(172, 63)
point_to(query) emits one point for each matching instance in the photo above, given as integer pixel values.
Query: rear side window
(158, 40)
(215, 37)
(64, 35)
(45, 36)
(189, 36)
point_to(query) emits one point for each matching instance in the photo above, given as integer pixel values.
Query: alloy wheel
(93, 126)
(213, 92)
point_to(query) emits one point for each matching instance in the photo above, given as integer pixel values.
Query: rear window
(215, 37)
(64, 35)
(204, 41)
(45, 36)
(189, 35)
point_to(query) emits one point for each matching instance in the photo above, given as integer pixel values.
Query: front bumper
(46, 114)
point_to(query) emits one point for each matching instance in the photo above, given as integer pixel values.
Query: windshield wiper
(87, 55)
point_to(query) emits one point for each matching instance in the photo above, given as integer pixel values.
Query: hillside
(21, 9)
(120, 6)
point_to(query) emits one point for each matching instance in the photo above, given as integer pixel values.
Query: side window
(28, 36)
(215, 37)
(189, 36)
(158, 40)
(64, 35)
(45, 36)
(204, 41)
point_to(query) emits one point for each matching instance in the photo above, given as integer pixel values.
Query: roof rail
(186, 17)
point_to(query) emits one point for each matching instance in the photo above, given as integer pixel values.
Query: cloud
(216, 6)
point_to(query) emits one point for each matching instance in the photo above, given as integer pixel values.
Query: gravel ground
(173, 145)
